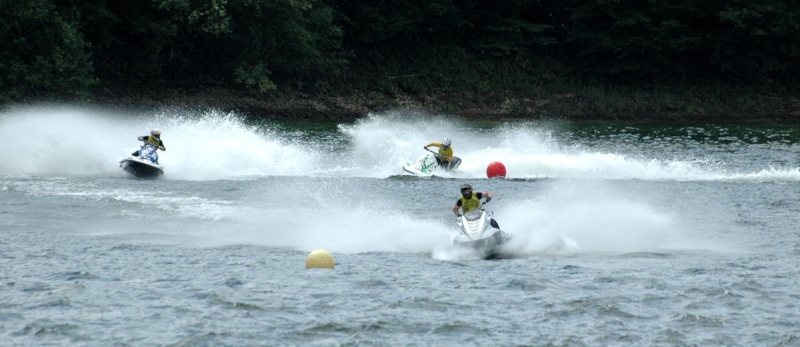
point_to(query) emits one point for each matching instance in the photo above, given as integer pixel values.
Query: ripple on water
(698, 320)
(526, 285)
(74, 275)
(71, 332)
(215, 299)
(233, 282)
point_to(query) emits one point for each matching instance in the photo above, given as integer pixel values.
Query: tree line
(68, 47)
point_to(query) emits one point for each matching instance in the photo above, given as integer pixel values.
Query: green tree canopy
(42, 52)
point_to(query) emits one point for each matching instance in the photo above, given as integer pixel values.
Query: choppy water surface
(626, 234)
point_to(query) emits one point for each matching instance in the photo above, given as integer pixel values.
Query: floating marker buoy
(319, 259)
(496, 169)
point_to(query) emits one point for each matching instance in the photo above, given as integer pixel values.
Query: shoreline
(582, 105)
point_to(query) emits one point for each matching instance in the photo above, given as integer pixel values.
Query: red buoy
(496, 169)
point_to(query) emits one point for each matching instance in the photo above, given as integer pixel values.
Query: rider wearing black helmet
(445, 156)
(470, 200)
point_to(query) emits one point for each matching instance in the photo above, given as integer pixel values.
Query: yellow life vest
(470, 204)
(153, 141)
(446, 154)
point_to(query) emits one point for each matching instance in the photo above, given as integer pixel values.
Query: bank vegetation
(576, 59)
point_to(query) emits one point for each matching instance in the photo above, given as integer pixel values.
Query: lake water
(658, 235)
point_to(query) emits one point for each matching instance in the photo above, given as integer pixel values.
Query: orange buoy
(496, 169)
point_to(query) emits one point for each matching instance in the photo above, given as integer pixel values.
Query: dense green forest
(52, 49)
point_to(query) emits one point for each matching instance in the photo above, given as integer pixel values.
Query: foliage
(256, 77)
(42, 52)
(758, 38)
(293, 40)
(63, 47)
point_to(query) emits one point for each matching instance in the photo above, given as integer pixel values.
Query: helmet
(155, 132)
(446, 142)
(466, 190)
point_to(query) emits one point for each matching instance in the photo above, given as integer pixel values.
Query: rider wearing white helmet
(445, 155)
(153, 139)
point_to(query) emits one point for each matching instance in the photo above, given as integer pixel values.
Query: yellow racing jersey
(153, 141)
(470, 204)
(446, 155)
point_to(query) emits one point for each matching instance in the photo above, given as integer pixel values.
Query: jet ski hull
(426, 166)
(141, 168)
(487, 247)
(480, 233)
(416, 171)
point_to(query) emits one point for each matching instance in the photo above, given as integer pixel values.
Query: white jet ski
(145, 165)
(479, 232)
(426, 165)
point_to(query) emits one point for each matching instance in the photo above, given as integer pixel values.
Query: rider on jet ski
(445, 155)
(154, 139)
(470, 200)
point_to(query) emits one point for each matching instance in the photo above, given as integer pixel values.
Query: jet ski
(479, 232)
(145, 165)
(426, 165)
